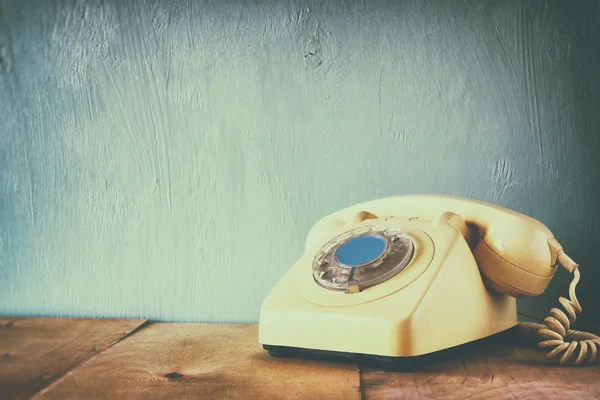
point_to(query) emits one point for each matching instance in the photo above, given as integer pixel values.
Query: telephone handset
(381, 278)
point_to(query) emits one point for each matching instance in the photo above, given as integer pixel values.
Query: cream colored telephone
(411, 275)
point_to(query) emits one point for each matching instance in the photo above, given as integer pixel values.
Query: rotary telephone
(383, 278)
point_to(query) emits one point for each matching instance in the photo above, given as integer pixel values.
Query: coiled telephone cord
(557, 334)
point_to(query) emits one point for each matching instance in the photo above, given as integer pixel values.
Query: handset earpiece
(514, 259)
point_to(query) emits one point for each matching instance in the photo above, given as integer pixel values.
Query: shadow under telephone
(385, 278)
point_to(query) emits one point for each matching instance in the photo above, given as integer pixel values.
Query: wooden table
(130, 359)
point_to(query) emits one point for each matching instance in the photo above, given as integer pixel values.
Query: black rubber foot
(379, 362)
(397, 364)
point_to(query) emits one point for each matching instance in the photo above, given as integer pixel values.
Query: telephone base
(437, 302)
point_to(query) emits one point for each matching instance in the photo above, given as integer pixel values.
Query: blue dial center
(360, 250)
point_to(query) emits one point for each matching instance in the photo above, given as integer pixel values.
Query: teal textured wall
(166, 159)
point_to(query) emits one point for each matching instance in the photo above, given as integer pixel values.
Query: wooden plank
(494, 368)
(36, 351)
(204, 361)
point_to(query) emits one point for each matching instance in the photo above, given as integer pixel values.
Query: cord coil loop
(561, 339)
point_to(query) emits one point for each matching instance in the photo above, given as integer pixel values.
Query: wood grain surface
(74, 359)
(174, 361)
(501, 367)
(37, 351)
